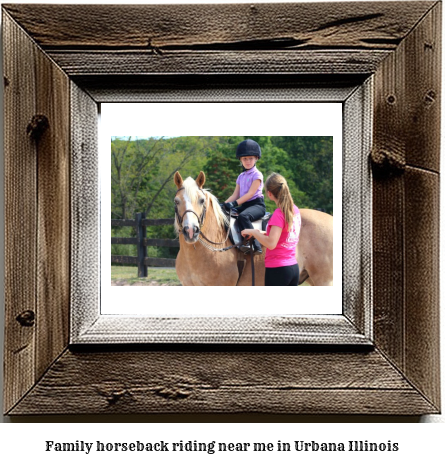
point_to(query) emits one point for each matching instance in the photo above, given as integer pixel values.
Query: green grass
(128, 275)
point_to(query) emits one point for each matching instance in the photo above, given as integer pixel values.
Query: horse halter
(180, 218)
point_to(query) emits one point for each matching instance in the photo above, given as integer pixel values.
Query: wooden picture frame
(56, 72)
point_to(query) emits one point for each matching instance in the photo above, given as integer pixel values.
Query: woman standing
(282, 235)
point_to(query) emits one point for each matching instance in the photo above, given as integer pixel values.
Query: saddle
(238, 240)
(235, 233)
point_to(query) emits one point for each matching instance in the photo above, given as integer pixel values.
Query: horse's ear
(201, 179)
(178, 180)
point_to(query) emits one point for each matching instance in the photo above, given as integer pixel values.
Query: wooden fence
(141, 241)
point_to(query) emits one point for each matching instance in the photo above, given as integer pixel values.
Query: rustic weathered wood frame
(77, 56)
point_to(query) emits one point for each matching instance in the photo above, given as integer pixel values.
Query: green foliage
(310, 162)
(222, 168)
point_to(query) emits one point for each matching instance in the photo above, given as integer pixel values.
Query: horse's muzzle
(191, 234)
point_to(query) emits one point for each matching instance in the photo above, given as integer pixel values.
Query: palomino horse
(199, 216)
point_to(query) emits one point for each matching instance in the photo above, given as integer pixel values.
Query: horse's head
(190, 206)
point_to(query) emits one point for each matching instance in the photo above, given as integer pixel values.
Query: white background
(22, 442)
(187, 119)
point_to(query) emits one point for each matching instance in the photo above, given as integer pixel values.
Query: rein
(201, 219)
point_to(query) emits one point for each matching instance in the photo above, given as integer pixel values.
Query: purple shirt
(246, 179)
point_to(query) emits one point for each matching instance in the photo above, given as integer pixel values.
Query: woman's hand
(269, 241)
(248, 233)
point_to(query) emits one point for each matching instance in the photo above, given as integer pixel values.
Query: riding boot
(245, 248)
(257, 250)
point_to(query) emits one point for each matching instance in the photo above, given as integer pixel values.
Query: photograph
(244, 183)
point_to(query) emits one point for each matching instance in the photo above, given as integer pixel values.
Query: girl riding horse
(248, 198)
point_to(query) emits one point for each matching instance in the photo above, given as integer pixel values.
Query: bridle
(180, 218)
(201, 219)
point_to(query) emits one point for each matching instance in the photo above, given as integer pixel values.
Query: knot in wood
(26, 318)
(112, 394)
(114, 397)
(37, 126)
(387, 163)
(173, 393)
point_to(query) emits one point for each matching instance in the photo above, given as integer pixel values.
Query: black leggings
(251, 211)
(283, 276)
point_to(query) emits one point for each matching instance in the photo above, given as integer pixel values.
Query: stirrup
(245, 248)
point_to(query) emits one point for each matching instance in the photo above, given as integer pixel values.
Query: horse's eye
(201, 201)
(177, 201)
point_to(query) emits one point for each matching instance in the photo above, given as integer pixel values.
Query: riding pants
(251, 211)
(282, 276)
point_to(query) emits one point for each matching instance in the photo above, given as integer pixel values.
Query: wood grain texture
(219, 88)
(421, 209)
(423, 92)
(159, 27)
(406, 240)
(422, 281)
(79, 63)
(84, 204)
(389, 144)
(38, 176)
(112, 329)
(357, 208)
(20, 213)
(222, 382)
(53, 227)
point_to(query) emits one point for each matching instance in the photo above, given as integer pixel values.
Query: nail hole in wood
(430, 97)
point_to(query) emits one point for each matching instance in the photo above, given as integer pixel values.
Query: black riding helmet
(248, 148)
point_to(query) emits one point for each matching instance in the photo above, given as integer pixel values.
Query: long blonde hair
(277, 185)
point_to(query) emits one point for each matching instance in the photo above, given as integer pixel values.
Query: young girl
(282, 235)
(248, 196)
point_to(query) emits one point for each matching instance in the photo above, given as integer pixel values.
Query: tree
(222, 168)
(310, 164)
(131, 161)
(142, 170)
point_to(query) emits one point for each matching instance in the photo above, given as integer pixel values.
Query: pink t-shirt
(284, 252)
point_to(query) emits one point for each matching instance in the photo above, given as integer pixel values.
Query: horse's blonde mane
(191, 190)
(221, 218)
